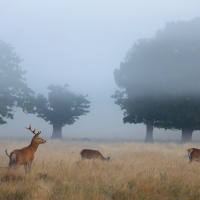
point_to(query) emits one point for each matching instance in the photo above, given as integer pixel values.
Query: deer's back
(195, 153)
(90, 154)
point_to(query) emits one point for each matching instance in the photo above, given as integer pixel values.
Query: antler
(33, 130)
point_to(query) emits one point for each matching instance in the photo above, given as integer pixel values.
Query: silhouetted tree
(182, 113)
(14, 92)
(62, 107)
(159, 80)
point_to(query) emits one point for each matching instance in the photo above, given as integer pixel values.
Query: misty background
(81, 43)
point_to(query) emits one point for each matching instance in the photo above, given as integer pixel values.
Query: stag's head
(36, 138)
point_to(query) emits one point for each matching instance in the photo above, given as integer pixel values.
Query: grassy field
(136, 171)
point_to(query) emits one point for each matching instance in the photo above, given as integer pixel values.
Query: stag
(92, 154)
(25, 155)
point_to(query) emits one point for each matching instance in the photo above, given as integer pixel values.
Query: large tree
(159, 79)
(140, 109)
(14, 91)
(182, 113)
(61, 108)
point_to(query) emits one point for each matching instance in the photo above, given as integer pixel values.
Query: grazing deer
(92, 154)
(25, 155)
(194, 154)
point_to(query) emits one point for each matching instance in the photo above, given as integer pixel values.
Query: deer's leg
(25, 167)
(78, 162)
(15, 167)
(10, 167)
(12, 163)
(29, 167)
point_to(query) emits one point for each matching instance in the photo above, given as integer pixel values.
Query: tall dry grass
(136, 171)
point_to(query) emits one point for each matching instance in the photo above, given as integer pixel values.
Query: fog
(81, 43)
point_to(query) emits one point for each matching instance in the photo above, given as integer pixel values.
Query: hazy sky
(81, 43)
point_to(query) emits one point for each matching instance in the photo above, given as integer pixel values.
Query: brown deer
(194, 154)
(92, 154)
(25, 155)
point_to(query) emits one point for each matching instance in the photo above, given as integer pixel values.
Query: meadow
(136, 171)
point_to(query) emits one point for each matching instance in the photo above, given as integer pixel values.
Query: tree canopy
(159, 78)
(63, 107)
(14, 91)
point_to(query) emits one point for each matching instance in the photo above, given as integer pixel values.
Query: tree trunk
(149, 133)
(187, 134)
(57, 132)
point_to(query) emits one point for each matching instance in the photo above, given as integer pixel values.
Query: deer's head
(36, 138)
(108, 158)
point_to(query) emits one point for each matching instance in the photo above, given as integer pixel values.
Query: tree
(14, 92)
(140, 109)
(61, 108)
(182, 114)
(159, 79)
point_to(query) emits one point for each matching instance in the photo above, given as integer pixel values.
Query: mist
(81, 43)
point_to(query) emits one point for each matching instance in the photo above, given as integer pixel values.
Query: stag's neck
(33, 146)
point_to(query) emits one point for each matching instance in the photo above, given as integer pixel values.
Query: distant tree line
(159, 80)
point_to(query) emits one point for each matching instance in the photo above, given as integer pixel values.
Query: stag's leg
(25, 167)
(13, 167)
(190, 157)
(10, 166)
(29, 167)
(78, 162)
